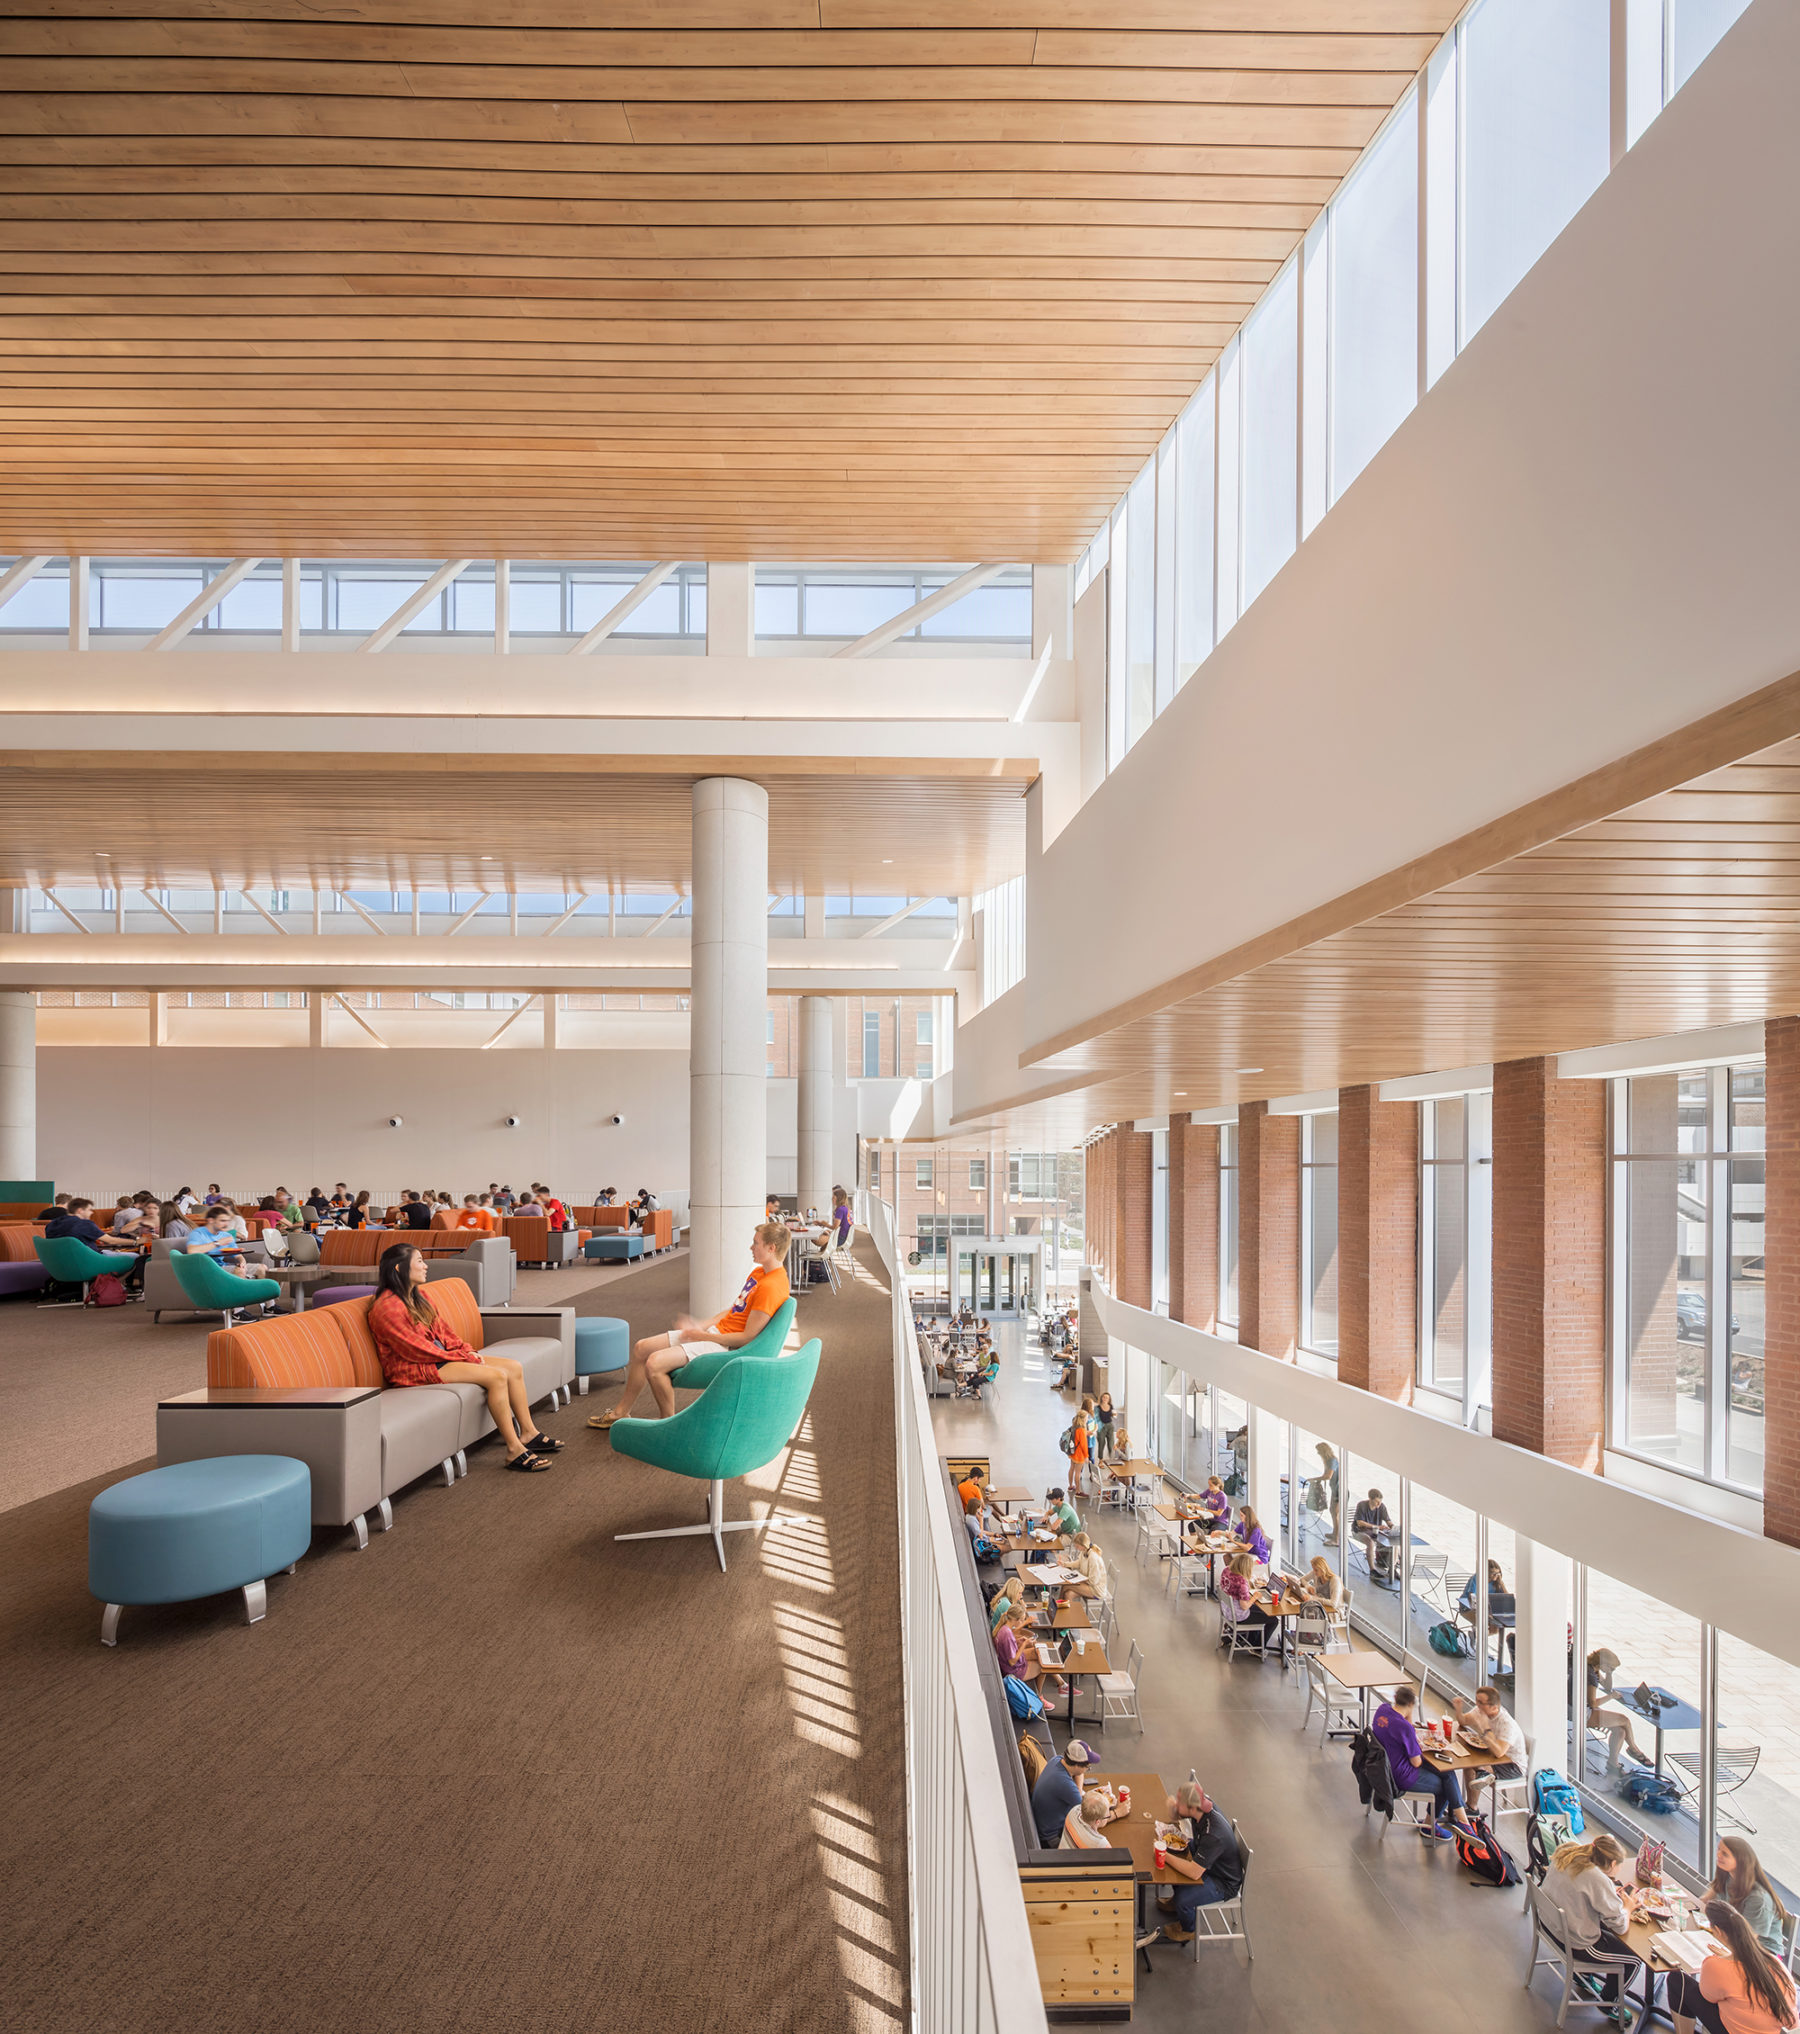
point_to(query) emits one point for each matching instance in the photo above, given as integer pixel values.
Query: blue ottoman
(601, 1344)
(614, 1249)
(198, 1529)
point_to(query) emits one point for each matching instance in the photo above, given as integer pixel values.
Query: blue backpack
(1021, 1699)
(1644, 1789)
(1551, 1794)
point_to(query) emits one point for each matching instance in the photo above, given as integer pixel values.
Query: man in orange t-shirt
(469, 1216)
(765, 1293)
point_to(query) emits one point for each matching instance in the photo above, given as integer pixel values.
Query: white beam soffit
(1721, 1046)
(203, 603)
(19, 575)
(414, 604)
(623, 610)
(921, 610)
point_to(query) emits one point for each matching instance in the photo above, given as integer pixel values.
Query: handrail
(973, 1971)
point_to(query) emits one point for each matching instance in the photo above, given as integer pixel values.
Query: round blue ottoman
(198, 1529)
(601, 1344)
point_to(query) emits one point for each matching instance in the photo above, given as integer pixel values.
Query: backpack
(1551, 1794)
(1024, 1701)
(1485, 1855)
(1450, 1640)
(1646, 1790)
(1067, 1443)
(1544, 1836)
(108, 1290)
(1032, 1758)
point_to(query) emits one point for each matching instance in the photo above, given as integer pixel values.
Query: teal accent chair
(70, 1261)
(700, 1372)
(741, 1421)
(214, 1290)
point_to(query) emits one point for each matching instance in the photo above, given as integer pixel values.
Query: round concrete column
(728, 1125)
(815, 1102)
(18, 1084)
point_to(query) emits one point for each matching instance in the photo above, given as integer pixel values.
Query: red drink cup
(1162, 1855)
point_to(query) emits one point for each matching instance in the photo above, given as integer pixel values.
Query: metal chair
(1506, 1797)
(1733, 1769)
(1188, 1572)
(1427, 1575)
(1548, 1951)
(1224, 1920)
(1342, 1711)
(1119, 1692)
(1236, 1635)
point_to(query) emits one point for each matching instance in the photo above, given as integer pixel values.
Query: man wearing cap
(1059, 1787)
(1208, 1858)
(1059, 1515)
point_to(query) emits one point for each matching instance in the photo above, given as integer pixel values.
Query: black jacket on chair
(1374, 1776)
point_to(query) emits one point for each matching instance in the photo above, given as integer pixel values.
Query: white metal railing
(973, 1971)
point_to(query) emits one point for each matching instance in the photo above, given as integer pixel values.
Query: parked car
(1690, 1316)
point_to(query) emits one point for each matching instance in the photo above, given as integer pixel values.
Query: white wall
(126, 1117)
(1581, 541)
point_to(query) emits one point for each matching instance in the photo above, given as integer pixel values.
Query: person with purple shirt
(1251, 1539)
(1394, 1730)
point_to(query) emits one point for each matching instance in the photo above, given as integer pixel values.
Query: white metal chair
(1548, 1952)
(1427, 1575)
(1342, 1711)
(1224, 1920)
(1734, 1768)
(1188, 1573)
(1506, 1797)
(1119, 1692)
(1237, 1635)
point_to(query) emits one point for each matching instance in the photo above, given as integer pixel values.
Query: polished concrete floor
(1352, 1935)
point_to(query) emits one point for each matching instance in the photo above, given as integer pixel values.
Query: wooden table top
(1087, 1658)
(1069, 1617)
(1364, 1670)
(302, 1395)
(1641, 1935)
(1136, 1832)
(1011, 1493)
(1137, 1466)
(1454, 1758)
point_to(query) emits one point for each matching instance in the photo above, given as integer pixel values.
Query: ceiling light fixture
(1249, 1069)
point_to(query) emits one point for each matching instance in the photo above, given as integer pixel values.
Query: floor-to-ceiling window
(1456, 1247)
(1319, 1234)
(1374, 1553)
(1228, 1225)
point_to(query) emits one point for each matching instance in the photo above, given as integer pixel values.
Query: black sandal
(528, 1462)
(542, 1444)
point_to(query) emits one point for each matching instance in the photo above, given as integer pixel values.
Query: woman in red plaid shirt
(416, 1347)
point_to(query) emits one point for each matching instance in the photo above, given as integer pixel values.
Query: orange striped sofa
(310, 1386)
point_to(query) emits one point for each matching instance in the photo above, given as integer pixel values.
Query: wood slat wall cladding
(1678, 912)
(735, 278)
(556, 824)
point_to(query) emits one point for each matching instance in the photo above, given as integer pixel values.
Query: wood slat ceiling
(552, 824)
(1679, 912)
(729, 278)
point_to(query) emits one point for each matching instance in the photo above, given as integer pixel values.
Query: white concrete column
(1542, 1581)
(315, 1019)
(1268, 1440)
(730, 612)
(18, 1084)
(815, 1102)
(728, 1121)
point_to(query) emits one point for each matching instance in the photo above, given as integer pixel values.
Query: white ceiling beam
(360, 912)
(467, 915)
(894, 917)
(19, 574)
(357, 1017)
(258, 909)
(496, 1037)
(67, 913)
(156, 904)
(414, 604)
(203, 603)
(1031, 687)
(667, 915)
(635, 599)
(921, 610)
(580, 900)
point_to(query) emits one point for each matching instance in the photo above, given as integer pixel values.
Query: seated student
(1370, 1523)
(986, 1542)
(1739, 1883)
(357, 1215)
(1495, 1730)
(1580, 1897)
(173, 1224)
(1251, 1539)
(77, 1221)
(136, 1218)
(290, 1217)
(645, 1202)
(765, 1292)
(340, 1195)
(468, 1216)
(1089, 1563)
(1500, 1601)
(214, 1194)
(1085, 1824)
(1207, 1856)
(186, 1200)
(1017, 1652)
(417, 1347)
(505, 1200)
(414, 1213)
(1214, 1504)
(216, 1237)
(317, 1206)
(1406, 1761)
(973, 1490)
(1237, 1594)
(1059, 1515)
(1744, 1991)
(59, 1206)
(1058, 1788)
(605, 1197)
(1008, 1597)
(555, 1209)
(530, 1206)
(1603, 1715)
(1320, 1584)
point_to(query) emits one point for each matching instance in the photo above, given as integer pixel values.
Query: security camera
(394, 1122)
(512, 1122)
(616, 1121)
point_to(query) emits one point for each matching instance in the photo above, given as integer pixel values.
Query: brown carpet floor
(495, 1773)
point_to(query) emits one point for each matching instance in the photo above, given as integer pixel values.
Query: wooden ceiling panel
(719, 277)
(552, 823)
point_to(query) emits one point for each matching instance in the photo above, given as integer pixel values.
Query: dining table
(1677, 1715)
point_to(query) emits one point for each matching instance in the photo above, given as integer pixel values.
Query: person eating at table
(1206, 1855)
(1611, 1722)
(1394, 1729)
(1495, 1730)
(1740, 1883)
(1582, 1886)
(1085, 1823)
(1059, 1788)
(657, 1357)
(1743, 1990)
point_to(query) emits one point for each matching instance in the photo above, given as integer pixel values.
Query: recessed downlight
(1249, 1069)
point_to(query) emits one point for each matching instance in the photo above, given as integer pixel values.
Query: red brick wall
(1193, 1222)
(1268, 1230)
(1549, 1261)
(1781, 1290)
(1378, 1242)
(1136, 1163)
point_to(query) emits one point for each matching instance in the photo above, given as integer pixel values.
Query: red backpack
(1485, 1855)
(108, 1290)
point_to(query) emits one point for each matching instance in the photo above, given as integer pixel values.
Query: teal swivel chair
(697, 1374)
(214, 1290)
(741, 1421)
(70, 1261)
